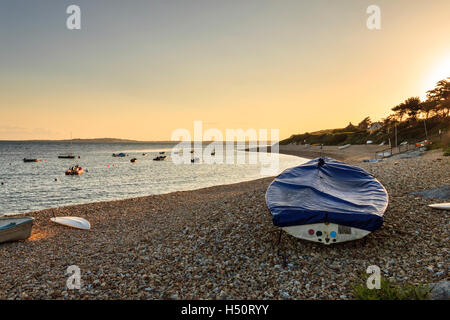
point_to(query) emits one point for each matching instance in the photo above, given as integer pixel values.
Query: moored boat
(160, 158)
(121, 155)
(14, 229)
(133, 160)
(75, 171)
(327, 201)
(31, 160)
(66, 156)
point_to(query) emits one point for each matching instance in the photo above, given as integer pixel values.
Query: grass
(447, 151)
(390, 291)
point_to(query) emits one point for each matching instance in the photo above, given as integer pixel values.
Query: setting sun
(440, 72)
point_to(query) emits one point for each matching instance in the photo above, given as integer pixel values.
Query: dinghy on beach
(327, 201)
(14, 229)
(73, 222)
(440, 206)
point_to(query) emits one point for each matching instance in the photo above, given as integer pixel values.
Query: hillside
(411, 131)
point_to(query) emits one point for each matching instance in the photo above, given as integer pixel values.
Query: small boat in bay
(31, 160)
(327, 201)
(160, 158)
(133, 160)
(66, 156)
(120, 155)
(14, 229)
(75, 171)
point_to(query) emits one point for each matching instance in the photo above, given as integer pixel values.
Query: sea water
(39, 185)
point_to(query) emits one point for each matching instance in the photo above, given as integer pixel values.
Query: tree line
(437, 104)
(413, 118)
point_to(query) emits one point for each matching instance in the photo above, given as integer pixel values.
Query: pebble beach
(220, 243)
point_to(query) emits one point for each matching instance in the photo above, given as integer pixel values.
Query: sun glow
(440, 72)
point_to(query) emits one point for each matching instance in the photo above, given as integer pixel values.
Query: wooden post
(426, 133)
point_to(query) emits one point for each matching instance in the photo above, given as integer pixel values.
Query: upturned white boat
(73, 222)
(14, 229)
(441, 206)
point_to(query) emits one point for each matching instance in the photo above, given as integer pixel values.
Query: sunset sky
(141, 69)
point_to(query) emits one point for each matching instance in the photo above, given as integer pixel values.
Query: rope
(279, 249)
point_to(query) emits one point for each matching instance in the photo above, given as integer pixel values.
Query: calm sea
(32, 186)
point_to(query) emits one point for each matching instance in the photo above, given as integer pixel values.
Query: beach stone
(440, 290)
(441, 193)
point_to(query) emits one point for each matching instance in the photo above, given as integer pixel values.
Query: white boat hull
(326, 233)
(74, 222)
(14, 229)
(440, 206)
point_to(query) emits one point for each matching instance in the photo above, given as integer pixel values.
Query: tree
(440, 95)
(428, 107)
(400, 111)
(365, 123)
(350, 128)
(412, 107)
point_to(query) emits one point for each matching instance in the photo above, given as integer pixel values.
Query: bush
(447, 152)
(390, 291)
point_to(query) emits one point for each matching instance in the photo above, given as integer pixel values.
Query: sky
(142, 69)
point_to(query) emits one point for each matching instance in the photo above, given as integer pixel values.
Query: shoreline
(354, 153)
(219, 242)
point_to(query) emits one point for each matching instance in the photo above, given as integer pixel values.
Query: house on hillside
(375, 126)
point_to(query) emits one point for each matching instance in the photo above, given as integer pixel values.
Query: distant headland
(92, 140)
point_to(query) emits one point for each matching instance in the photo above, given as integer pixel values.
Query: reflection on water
(32, 186)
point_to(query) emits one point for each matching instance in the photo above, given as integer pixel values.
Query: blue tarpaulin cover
(327, 190)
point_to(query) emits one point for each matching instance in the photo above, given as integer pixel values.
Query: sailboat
(69, 155)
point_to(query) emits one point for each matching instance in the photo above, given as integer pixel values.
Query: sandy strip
(351, 153)
(218, 243)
